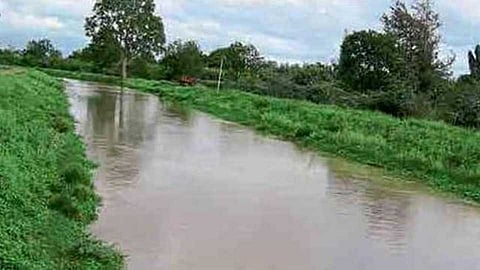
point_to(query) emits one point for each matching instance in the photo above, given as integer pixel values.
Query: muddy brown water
(182, 190)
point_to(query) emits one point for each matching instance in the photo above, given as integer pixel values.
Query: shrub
(462, 106)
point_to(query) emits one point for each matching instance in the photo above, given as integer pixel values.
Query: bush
(75, 65)
(462, 106)
(10, 57)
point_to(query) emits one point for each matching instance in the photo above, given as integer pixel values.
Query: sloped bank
(47, 198)
(443, 157)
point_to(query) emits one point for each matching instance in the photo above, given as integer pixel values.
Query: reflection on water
(385, 211)
(184, 191)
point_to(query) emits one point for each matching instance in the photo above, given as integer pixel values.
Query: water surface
(182, 190)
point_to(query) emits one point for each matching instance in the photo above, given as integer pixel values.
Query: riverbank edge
(443, 157)
(47, 196)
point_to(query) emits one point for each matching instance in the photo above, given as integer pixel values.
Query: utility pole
(220, 76)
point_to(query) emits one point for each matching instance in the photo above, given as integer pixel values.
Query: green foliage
(462, 105)
(287, 81)
(146, 67)
(311, 74)
(370, 61)
(46, 192)
(417, 32)
(41, 53)
(75, 65)
(238, 59)
(183, 59)
(104, 52)
(132, 24)
(10, 56)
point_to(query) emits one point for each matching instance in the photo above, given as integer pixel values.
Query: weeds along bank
(46, 192)
(444, 157)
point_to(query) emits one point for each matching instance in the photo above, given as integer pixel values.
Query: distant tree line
(399, 70)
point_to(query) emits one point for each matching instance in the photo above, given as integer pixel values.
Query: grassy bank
(445, 158)
(46, 192)
(95, 77)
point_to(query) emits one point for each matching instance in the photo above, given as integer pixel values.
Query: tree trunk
(124, 68)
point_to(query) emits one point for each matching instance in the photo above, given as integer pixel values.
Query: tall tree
(132, 24)
(239, 58)
(183, 59)
(474, 62)
(417, 30)
(41, 53)
(370, 61)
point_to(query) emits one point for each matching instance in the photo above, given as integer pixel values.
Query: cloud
(30, 21)
(467, 9)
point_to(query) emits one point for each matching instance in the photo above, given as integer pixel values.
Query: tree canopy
(369, 60)
(41, 53)
(133, 24)
(183, 59)
(417, 30)
(238, 58)
(103, 50)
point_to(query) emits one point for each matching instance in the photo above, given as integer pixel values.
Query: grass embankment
(445, 158)
(46, 192)
(95, 77)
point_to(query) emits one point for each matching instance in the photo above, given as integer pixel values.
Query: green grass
(46, 192)
(441, 156)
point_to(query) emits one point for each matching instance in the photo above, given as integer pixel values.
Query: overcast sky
(284, 30)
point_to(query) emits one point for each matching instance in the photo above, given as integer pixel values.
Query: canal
(182, 190)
